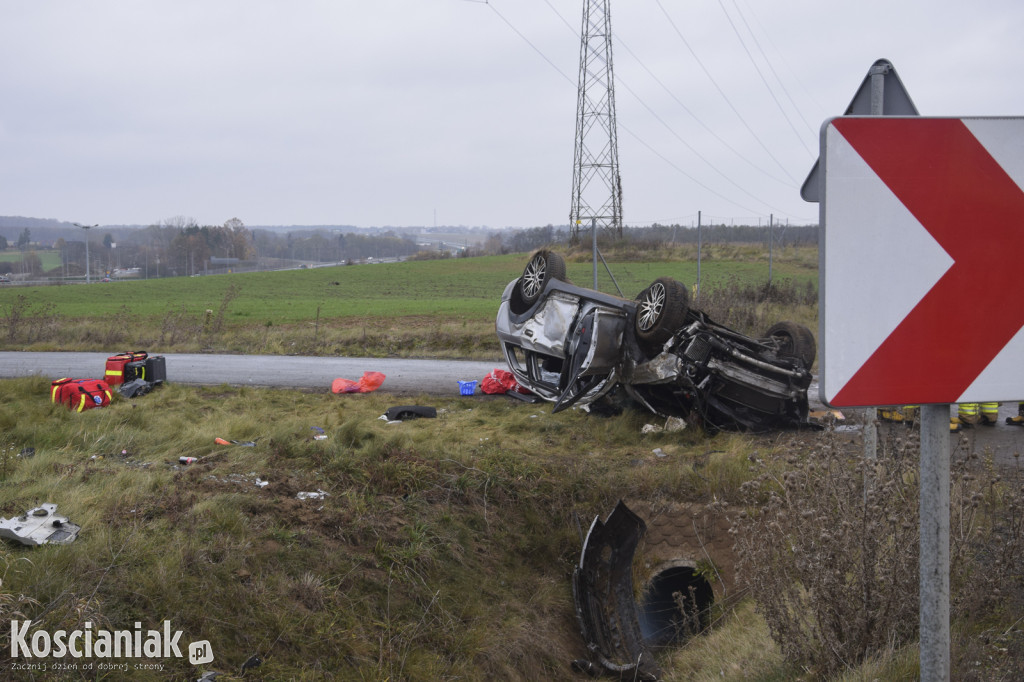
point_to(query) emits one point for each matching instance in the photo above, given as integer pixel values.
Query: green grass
(440, 307)
(50, 259)
(467, 287)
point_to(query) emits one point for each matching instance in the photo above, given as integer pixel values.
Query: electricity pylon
(596, 186)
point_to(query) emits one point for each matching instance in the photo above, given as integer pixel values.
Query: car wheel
(543, 267)
(662, 310)
(794, 341)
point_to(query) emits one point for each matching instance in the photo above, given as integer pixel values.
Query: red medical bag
(80, 394)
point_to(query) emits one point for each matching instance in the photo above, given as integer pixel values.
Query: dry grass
(441, 551)
(829, 549)
(444, 547)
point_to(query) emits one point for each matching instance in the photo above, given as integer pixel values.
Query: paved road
(1003, 442)
(404, 376)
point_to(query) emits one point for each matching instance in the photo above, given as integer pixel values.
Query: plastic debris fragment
(40, 526)
(406, 412)
(243, 443)
(370, 381)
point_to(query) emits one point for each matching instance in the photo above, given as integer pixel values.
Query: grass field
(49, 259)
(444, 307)
(468, 288)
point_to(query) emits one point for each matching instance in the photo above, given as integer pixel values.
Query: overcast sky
(455, 112)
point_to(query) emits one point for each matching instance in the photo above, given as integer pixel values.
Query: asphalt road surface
(404, 376)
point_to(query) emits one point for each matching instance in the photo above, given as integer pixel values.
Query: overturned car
(573, 346)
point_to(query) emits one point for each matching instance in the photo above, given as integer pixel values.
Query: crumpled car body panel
(568, 347)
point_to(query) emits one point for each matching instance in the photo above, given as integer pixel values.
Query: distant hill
(20, 223)
(43, 230)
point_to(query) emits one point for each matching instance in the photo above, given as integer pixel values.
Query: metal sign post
(934, 551)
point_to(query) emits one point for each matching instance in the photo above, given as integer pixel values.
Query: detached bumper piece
(602, 587)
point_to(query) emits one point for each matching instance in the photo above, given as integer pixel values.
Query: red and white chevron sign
(922, 260)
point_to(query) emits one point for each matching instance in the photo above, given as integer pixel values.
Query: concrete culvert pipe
(676, 605)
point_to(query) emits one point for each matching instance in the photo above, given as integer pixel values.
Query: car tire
(662, 310)
(794, 341)
(543, 267)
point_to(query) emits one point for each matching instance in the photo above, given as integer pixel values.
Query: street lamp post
(87, 228)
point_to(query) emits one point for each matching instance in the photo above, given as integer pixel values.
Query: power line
(695, 152)
(527, 40)
(557, 14)
(767, 61)
(622, 83)
(685, 174)
(793, 72)
(765, 80)
(705, 126)
(722, 92)
(685, 108)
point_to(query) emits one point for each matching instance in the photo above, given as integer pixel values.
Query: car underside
(574, 346)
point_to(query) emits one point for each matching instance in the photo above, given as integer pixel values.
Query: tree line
(180, 246)
(525, 240)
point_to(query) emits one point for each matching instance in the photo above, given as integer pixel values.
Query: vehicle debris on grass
(40, 526)
(407, 412)
(135, 388)
(243, 443)
(602, 590)
(240, 479)
(671, 425)
(623, 626)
